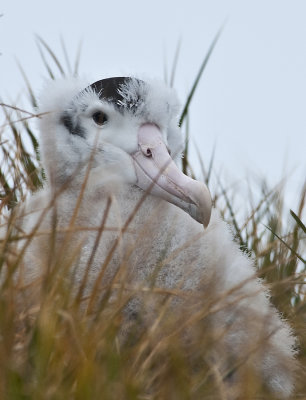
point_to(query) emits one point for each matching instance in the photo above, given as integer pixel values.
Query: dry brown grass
(57, 343)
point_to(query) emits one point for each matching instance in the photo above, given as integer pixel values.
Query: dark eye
(99, 117)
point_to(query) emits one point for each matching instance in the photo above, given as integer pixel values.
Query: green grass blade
(31, 93)
(175, 62)
(51, 53)
(47, 66)
(77, 59)
(210, 167)
(197, 80)
(285, 244)
(298, 221)
(66, 55)
(203, 169)
(186, 149)
(243, 245)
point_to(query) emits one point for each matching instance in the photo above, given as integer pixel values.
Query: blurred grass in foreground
(53, 349)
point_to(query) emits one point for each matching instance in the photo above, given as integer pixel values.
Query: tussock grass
(57, 342)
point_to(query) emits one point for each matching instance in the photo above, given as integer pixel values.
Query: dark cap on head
(109, 89)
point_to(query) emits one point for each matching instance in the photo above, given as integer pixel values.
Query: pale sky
(251, 100)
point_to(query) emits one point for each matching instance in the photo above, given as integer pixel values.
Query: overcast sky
(251, 100)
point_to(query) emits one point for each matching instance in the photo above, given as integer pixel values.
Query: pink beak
(157, 173)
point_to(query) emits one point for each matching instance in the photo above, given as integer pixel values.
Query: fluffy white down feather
(206, 259)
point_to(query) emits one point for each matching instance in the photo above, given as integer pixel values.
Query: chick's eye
(100, 118)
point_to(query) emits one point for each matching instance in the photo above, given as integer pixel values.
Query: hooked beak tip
(202, 203)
